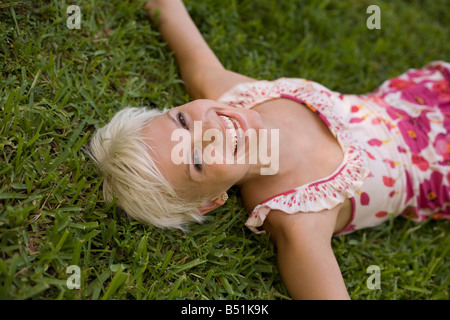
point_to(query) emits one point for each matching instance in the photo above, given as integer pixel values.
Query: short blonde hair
(131, 175)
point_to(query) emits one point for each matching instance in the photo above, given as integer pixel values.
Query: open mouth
(235, 129)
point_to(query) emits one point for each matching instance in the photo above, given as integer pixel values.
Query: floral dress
(395, 141)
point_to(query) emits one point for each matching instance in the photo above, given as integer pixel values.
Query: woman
(343, 162)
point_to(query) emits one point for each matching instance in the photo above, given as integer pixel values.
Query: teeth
(231, 123)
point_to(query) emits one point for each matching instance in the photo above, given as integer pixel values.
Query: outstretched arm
(201, 71)
(306, 260)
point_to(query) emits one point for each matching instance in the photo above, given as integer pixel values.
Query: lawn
(57, 85)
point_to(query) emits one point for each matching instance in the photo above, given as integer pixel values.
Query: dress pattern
(395, 141)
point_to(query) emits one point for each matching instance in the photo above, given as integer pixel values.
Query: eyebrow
(172, 119)
(188, 171)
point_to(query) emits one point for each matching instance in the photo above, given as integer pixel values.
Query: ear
(211, 205)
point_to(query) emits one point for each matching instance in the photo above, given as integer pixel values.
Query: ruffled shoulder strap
(250, 94)
(322, 194)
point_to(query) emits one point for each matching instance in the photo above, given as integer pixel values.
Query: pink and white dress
(395, 141)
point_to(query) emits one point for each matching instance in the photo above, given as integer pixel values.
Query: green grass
(57, 85)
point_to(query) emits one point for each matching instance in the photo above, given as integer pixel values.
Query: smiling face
(202, 177)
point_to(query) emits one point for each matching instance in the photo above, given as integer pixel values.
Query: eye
(197, 163)
(181, 120)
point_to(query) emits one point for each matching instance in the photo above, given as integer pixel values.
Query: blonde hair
(131, 175)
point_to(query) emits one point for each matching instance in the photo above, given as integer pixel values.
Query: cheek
(217, 149)
(255, 120)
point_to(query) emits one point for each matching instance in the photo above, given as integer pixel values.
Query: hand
(156, 8)
(151, 6)
(203, 74)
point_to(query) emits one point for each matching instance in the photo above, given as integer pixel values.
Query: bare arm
(201, 70)
(306, 260)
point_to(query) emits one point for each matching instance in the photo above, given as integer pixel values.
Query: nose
(205, 132)
(208, 135)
